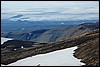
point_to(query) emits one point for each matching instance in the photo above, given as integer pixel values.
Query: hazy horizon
(50, 10)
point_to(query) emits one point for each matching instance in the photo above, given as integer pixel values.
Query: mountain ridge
(52, 34)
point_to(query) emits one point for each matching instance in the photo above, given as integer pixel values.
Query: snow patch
(62, 57)
(22, 47)
(15, 49)
(4, 40)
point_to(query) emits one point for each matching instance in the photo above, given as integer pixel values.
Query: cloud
(51, 10)
(45, 4)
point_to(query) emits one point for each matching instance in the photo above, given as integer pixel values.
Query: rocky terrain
(88, 51)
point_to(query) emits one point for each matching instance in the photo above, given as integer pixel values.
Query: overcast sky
(46, 4)
(63, 9)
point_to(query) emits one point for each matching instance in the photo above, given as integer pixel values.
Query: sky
(42, 9)
(46, 4)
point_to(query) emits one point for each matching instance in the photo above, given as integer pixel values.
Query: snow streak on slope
(57, 58)
(4, 40)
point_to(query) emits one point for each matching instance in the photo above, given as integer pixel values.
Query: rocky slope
(88, 51)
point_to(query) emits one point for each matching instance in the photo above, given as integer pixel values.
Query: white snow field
(4, 39)
(62, 57)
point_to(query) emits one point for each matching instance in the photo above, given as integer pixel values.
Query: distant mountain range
(51, 34)
(18, 25)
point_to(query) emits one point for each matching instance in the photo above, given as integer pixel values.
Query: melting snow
(22, 47)
(15, 49)
(4, 40)
(62, 57)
